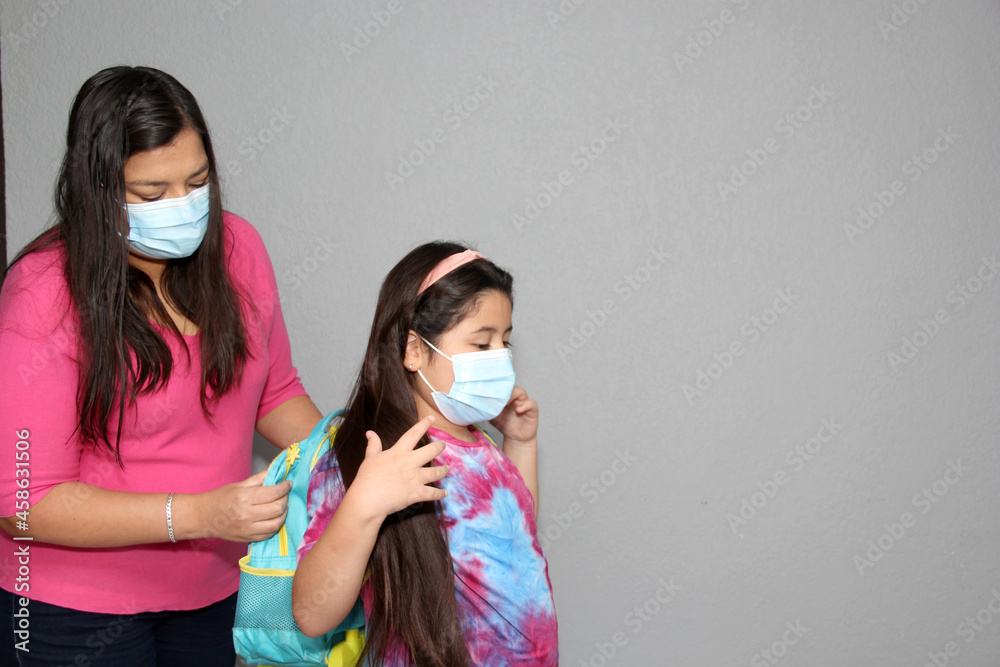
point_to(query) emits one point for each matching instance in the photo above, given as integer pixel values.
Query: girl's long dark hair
(118, 112)
(410, 569)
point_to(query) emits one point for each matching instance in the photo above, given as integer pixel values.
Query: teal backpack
(265, 632)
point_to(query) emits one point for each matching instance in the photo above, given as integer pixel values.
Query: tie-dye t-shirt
(501, 577)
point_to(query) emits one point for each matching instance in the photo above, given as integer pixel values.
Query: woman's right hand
(391, 480)
(245, 511)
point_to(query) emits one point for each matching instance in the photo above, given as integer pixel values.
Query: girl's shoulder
(325, 463)
(325, 478)
(325, 493)
(481, 437)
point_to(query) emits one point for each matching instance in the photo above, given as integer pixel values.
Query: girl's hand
(393, 479)
(519, 420)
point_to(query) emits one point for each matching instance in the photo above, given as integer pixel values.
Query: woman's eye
(508, 344)
(156, 198)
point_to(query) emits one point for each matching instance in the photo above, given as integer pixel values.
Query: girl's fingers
(518, 393)
(432, 493)
(374, 443)
(429, 475)
(435, 493)
(428, 453)
(412, 436)
(407, 441)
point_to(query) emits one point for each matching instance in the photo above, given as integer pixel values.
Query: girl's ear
(413, 357)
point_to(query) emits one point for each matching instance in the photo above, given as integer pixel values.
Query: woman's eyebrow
(203, 169)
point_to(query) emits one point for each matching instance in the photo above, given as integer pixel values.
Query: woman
(141, 343)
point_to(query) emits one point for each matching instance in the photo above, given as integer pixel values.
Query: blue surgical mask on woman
(483, 385)
(169, 228)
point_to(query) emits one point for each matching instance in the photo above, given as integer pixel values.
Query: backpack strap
(492, 441)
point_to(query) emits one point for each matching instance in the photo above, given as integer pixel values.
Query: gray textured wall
(754, 245)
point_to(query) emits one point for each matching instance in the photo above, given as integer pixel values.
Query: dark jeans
(57, 636)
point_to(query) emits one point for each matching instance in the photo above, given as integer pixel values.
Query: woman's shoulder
(35, 287)
(240, 236)
(246, 257)
(46, 265)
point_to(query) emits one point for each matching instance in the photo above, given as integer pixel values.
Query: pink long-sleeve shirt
(168, 444)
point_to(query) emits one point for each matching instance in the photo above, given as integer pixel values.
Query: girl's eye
(488, 346)
(157, 197)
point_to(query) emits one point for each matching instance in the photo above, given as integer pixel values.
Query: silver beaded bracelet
(170, 522)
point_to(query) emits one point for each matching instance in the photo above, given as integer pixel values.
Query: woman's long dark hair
(410, 569)
(118, 112)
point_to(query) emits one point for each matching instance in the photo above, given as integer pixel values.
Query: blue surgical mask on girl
(483, 385)
(169, 228)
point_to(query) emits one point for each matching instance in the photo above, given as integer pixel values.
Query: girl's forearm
(329, 577)
(524, 455)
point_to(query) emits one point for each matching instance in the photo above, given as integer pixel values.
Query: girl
(450, 574)
(141, 343)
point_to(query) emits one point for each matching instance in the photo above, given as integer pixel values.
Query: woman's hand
(519, 420)
(391, 480)
(246, 511)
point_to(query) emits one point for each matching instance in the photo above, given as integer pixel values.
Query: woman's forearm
(82, 515)
(75, 514)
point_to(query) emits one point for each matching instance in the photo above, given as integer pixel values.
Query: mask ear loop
(433, 390)
(435, 349)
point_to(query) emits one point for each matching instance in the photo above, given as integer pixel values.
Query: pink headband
(447, 265)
